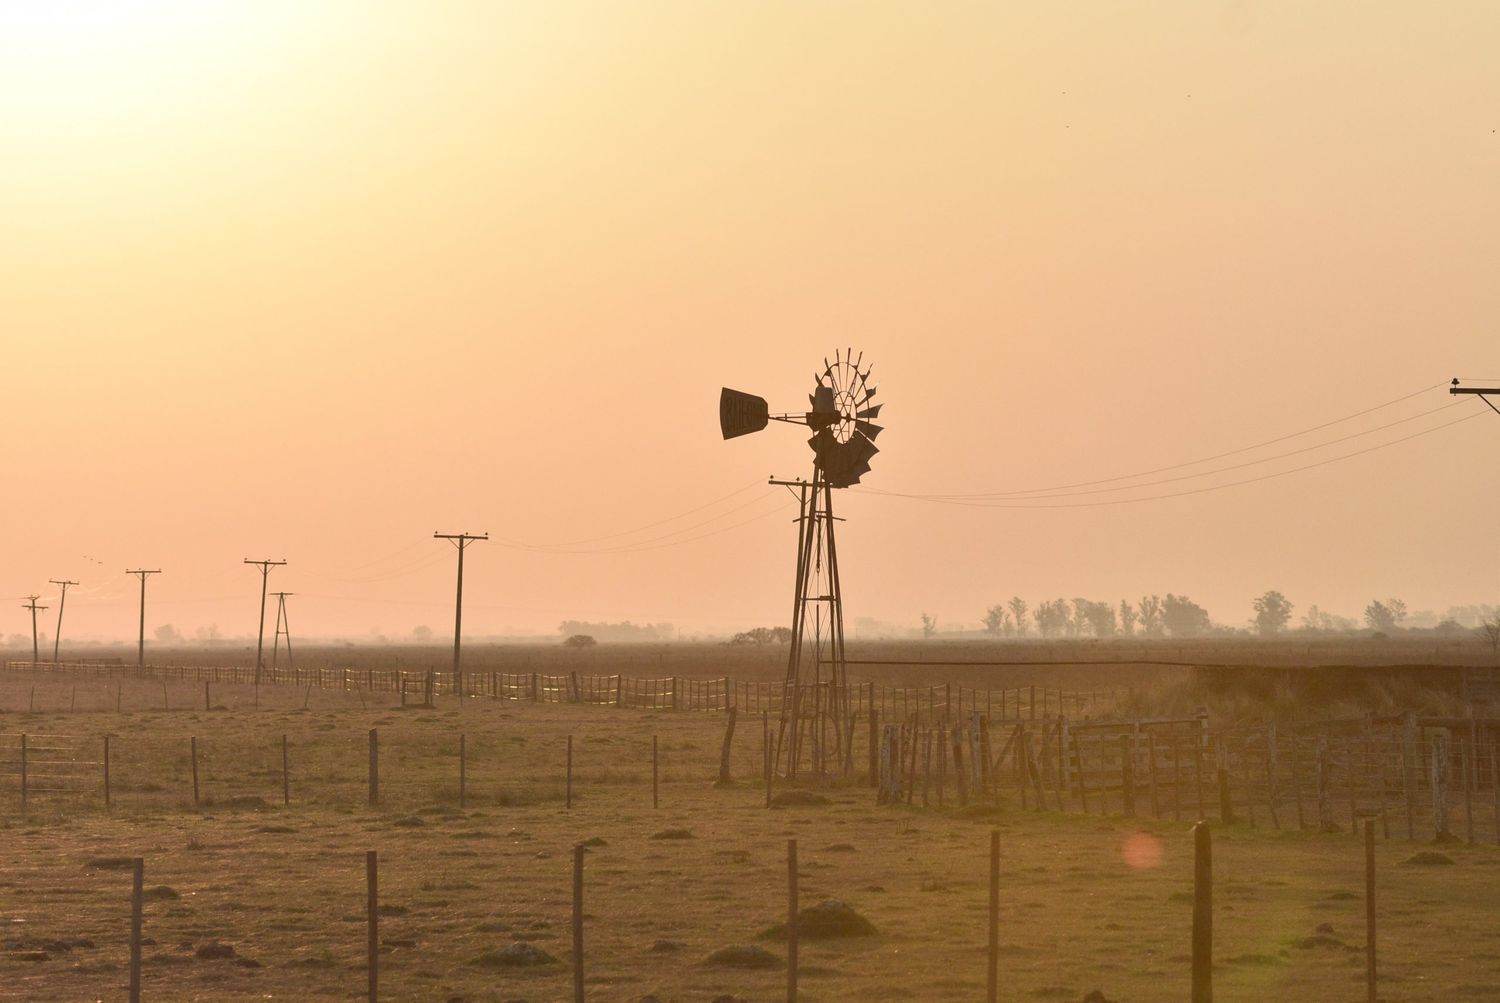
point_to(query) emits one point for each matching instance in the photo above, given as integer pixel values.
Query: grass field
(1087, 902)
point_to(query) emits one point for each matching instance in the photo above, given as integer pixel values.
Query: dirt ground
(1087, 902)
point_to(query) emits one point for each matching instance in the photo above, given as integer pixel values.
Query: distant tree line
(1175, 615)
(624, 631)
(763, 635)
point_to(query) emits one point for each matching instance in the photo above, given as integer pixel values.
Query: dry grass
(285, 887)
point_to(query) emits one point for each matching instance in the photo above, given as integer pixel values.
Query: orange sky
(313, 281)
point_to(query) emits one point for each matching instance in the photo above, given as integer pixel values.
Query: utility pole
(1483, 393)
(459, 540)
(260, 634)
(31, 605)
(61, 602)
(283, 626)
(140, 650)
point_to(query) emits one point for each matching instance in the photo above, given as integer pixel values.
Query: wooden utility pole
(140, 649)
(260, 632)
(61, 602)
(31, 605)
(283, 627)
(461, 541)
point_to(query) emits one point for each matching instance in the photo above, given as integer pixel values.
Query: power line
(642, 544)
(1204, 459)
(641, 528)
(1022, 504)
(1216, 470)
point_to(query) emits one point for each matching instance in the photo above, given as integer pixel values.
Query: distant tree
(1490, 629)
(1315, 619)
(167, 634)
(421, 634)
(1385, 616)
(1080, 623)
(929, 625)
(1150, 609)
(994, 620)
(781, 635)
(1127, 618)
(1043, 617)
(1184, 618)
(1101, 619)
(757, 635)
(1272, 611)
(1018, 613)
(579, 641)
(1378, 615)
(209, 634)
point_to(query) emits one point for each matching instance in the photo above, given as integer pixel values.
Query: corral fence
(926, 704)
(1418, 776)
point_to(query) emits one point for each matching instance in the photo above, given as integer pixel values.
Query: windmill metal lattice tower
(815, 715)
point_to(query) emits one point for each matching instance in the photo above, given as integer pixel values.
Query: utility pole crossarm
(1483, 393)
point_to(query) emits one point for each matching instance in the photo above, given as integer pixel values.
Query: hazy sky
(313, 280)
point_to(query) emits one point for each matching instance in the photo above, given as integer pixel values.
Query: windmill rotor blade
(870, 393)
(741, 413)
(870, 412)
(868, 430)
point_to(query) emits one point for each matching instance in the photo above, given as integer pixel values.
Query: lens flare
(1141, 851)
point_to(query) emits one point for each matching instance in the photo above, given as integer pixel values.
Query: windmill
(815, 704)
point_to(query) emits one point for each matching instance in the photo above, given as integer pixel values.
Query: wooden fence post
(1470, 780)
(193, 754)
(137, 883)
(791, 921)
(463, 768)
(569, 791)
(655, 775)
(958, 769)
(1198, 774)
(874, 746)
(578, 852)
(23, 773)
(1440, 789)
(1080, 774)
(724, 775)
(1370, 980)
(1127, 774)
(106, 771)
(765, 751)
(374, 767)
(1325, 810)
(1408, 771)
(286, 774)
(993, 980)
(206, 703)
(1203, 915)
(372, 923)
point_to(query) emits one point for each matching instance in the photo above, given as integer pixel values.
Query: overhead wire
(1203, 459)
(1217, 470)
(1024, 503)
